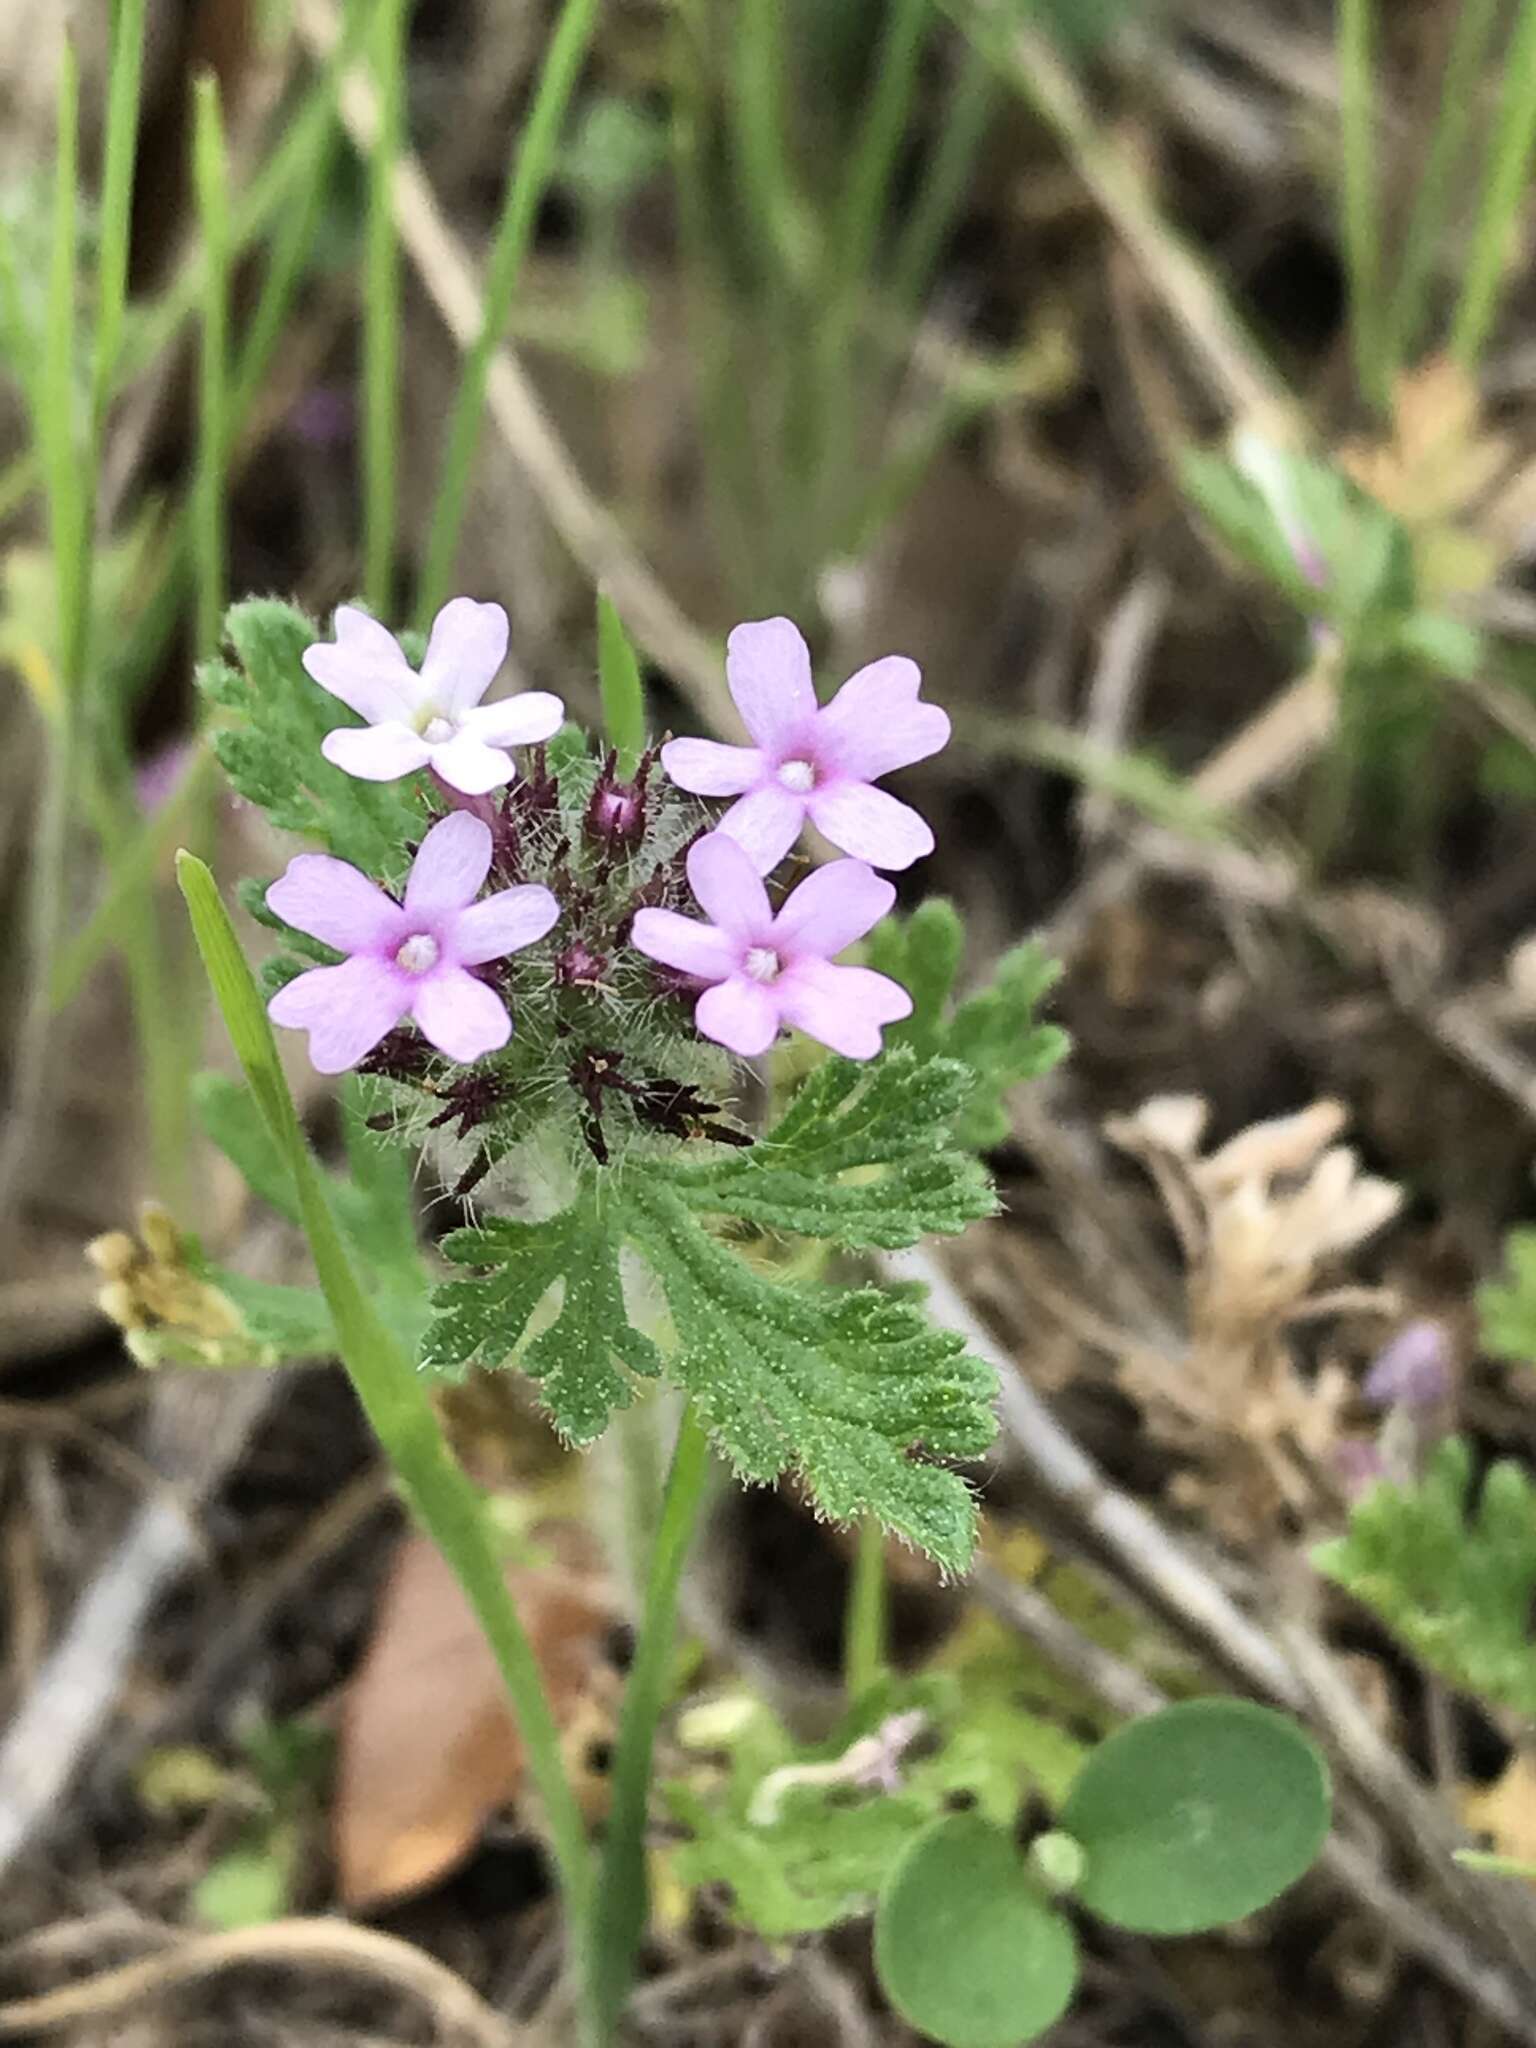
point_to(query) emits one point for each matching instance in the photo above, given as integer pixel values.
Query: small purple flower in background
(1413, 1369)
(766, 970)
(156, 780)
(410, 959)
(324, 416)
(810, 762)
(1411, 1379)
(873, 1763)
(435, 718)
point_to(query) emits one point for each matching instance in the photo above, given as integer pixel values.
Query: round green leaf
(1197, 1816)
(965, 1947)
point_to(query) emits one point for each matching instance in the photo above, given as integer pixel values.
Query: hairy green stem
(622, 1903)
(397, 1404)
(864, 1633)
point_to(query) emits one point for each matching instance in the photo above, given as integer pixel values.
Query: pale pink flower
(409, 959)
(765, 969)
(433, 718)
(814, 763)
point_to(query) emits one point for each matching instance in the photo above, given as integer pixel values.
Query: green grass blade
(271, 189)
(57, 420)
(1505, 185)
(1360, 211)
(621, 686)
(526, 185)
(1475, 23)
(946, 176)
(120, 154)
(381, 312)
(211, 179)
(394, 1398)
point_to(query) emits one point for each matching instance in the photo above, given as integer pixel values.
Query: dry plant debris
(1263, 1223)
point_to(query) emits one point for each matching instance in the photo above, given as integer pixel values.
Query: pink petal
(875, 723)
(468, 645)
(729, 888)
(331, 901)
(684, 943)
(460, 1015)
(520, 721)
(766, 822)
(831, 908)
(365, 668)
(841, 1007)
(468, 765)
(709, 769)
(376, 753)
(768, 668)
(503, 923)
(346, 1010)
(870, 824)
(451, 865)
(740, 1014)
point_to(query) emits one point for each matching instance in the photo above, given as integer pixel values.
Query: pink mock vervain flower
(768, 970)
(434, 718)
(814, 763)
(406, 959)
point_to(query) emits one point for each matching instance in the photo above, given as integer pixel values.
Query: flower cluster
(602, 865)
(807, 764)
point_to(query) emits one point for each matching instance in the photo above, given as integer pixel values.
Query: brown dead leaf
(428, 1747)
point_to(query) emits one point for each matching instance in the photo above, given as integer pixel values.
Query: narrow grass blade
(211, 179)
(1475, 23)
(381, 311)
(525, 190)
(394, 1398)
(1505, 188)
(1361, 216)
(621, 685)
(120, 154)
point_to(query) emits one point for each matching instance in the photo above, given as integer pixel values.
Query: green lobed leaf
(1197, 1816)
(966, 1949)
(583, 1361)
(861, 1156)
(1454, 1577)
(800, 1852)
(994, 1032)
(841, 1388)
(268, 742)
(1507, 1308)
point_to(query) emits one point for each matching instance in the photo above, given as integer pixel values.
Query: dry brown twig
(290, 1944)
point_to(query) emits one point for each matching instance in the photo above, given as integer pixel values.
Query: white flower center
(800, 776)
(419, 954)
(762, 963)
(437, 729)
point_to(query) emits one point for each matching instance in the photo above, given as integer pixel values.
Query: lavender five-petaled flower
(814, 763)
(406, 959)
(433, 718)
(765, 969)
